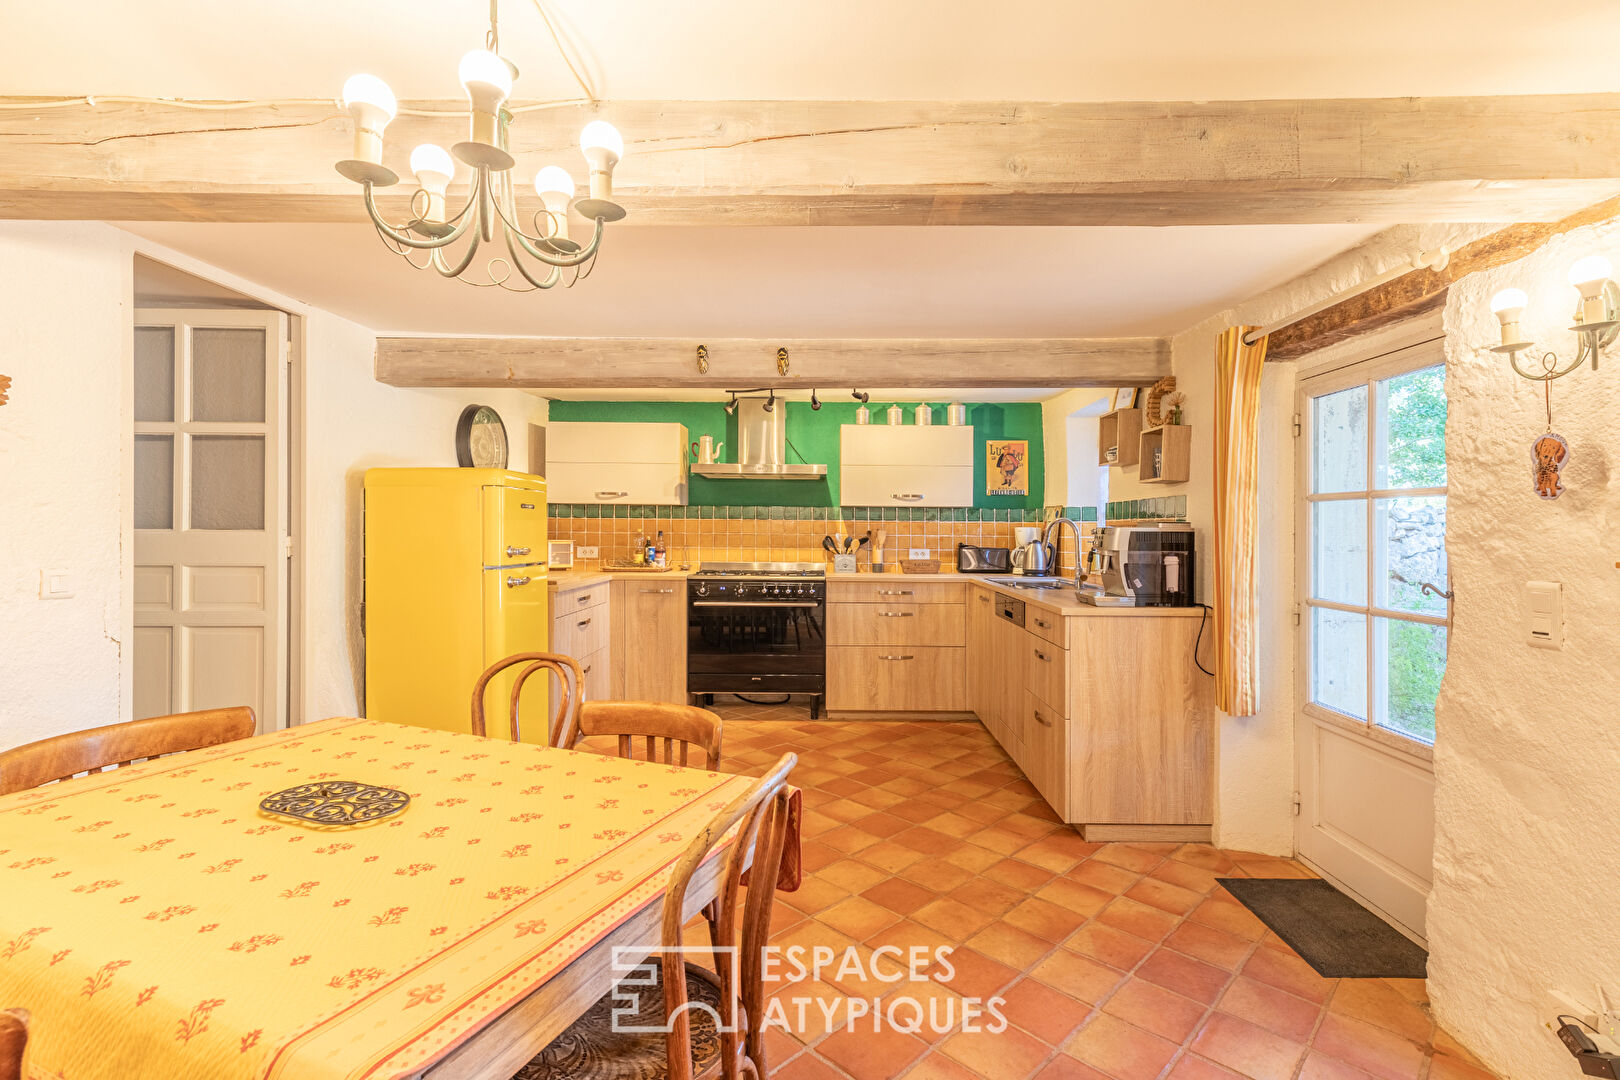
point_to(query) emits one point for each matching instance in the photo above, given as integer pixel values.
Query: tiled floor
(1119, 961)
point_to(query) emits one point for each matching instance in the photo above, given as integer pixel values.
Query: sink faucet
(1046, 538)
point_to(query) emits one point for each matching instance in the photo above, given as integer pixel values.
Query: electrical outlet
(587, 552)
(919, 553)
(55, 585)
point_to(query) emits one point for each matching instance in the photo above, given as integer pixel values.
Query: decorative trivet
(336, 802)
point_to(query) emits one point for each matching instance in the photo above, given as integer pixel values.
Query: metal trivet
(336, 802)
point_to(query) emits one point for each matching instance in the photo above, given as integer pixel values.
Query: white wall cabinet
(882, 465)
(607, 462)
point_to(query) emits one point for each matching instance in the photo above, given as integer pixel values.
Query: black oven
(757, 632)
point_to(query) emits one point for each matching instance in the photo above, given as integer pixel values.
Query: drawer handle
(1042, 656)
(655, 590)
(611, 494)
(514, 551)
(896, 614)
(583, 599)
(1043, 721)
(897, 658)
(895, 592)
(583, 623)
(906, 498)
(1042, 624)
(514, 582)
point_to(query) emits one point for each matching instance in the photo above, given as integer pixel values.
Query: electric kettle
(1033, 559)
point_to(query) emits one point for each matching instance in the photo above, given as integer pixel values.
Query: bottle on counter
(638, 548)
(660, 556)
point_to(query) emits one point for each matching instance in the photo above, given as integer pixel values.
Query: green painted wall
(813, 437)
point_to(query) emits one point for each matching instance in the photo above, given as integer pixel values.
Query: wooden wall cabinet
(607, 462)
(1119, 431)
(1166, 455)
(905, 465)
(648, 624)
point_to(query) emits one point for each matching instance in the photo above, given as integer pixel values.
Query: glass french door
(1374, 609)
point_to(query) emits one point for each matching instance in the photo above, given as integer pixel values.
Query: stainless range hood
(761, 447)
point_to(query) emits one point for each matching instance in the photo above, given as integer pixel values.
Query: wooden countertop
(1058, 601)
(579, 578)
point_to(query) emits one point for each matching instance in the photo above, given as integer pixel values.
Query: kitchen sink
(1031, 583)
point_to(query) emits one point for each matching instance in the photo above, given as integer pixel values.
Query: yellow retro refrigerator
(455, 579)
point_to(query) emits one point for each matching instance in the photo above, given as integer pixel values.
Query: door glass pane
(154, 373)
(1339, 551)
(1411, 536)
(154, 481)
(227, 374)
(1339, 441)
(1412, 419)
(227, 482)
(1339, 661)
(1411, 658)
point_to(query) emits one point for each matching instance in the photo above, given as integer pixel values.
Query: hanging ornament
(1548, 456)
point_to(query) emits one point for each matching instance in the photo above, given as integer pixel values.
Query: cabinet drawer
(901, 678)
(514, 526)
(1042, 623)
(595, 668)
(580, 633)
(894, 589)
(609, 482)
(580, 599)
(1046, 673)
(1046, 754)
(896, 624)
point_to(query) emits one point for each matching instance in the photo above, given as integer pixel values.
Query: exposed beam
(1417, 292)
(1383, 160)
(917, 363)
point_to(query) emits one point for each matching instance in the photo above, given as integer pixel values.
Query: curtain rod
(1422, 260)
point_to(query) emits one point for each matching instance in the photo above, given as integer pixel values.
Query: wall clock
(480, 438)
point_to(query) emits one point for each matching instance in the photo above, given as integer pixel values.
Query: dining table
(160, 925)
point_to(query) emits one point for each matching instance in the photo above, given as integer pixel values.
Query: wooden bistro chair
(692, 1022)
(13, 1040)
(685, 725)
(565, 725)
(102, 748)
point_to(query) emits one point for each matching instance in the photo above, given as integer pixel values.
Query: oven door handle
(758, 603)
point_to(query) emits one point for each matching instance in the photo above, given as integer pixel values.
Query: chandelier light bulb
(603, 147)
(371, 104)
(486, 78)
(433, 167)
(556, 189)
(1589, 274)
(1508, 306)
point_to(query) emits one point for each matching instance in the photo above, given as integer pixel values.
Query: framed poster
(1125, 397)
(1006, 466)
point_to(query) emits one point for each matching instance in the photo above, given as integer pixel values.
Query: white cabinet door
(609, 441)
(591, 462)
(612, 482)
(880, 465)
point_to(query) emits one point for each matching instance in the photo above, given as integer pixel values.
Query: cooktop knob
(702, 589)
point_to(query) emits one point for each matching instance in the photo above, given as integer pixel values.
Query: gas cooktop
(761, 570)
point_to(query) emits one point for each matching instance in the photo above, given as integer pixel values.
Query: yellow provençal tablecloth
(159, 925)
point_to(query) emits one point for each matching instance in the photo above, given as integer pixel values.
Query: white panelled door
(211, 512)
(1374, 612)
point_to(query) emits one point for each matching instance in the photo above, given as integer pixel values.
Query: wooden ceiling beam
(1421, 290)
(1383, 160)
(913, 363)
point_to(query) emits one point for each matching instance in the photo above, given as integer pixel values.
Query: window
(1375, 522)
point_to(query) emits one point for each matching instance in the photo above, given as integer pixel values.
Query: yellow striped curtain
(1237, 510)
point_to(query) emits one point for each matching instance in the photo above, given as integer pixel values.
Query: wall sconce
(1597, 319)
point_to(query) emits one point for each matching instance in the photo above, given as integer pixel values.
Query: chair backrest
(761, 815)
(13, 1040)
(107, 747)
(683, 725)
(569, 677)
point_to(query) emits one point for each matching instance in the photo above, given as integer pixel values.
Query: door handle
(514, 582)
(896, 614)
(1435, 589)
(1042, 656)
(512, 552)
(582, 624)
(611, 494)
(897, 658)
(906, 498)
(1041, 720)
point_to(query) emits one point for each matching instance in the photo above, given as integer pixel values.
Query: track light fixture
(815, 402)
(770, 402)
(860, 397)
(731, 406)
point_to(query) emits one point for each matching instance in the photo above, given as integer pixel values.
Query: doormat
(1331, 932)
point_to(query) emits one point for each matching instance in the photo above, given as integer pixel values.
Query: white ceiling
(796, 282)
(1037, 50)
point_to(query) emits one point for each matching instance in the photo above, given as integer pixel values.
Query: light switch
(55, 585)
(1544, 614)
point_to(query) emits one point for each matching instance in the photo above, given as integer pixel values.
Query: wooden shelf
(1120, 429)
(1173, 442)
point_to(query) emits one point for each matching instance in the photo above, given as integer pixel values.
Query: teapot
(706, 451)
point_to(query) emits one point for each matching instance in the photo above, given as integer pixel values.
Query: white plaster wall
(65, 294)
(355, 423)
(1069, 435)
(1527, 853)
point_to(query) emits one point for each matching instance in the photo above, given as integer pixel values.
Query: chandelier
(538, 256)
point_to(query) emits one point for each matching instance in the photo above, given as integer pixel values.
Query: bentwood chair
(691, 1022)
(13, 1041)
(564, 726)
(102, 748)
(683, 725)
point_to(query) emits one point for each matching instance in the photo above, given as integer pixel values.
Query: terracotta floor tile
(937, 874)
(871, 1055)
(928, 841)
(1004, 1055)
(813, 855)
(1191, 1067)
(813, 894)
(1077, 976)
(858, 917)
(1378, 1003)
(890, 856)
(1153, 1008)
(1186, 976)
(1113, 947)
(914, 812)
(852, 875)
(1120, 1050)
(883, 823)
(1446, 1067)
(1075, 896)
(1321, 1067)
(1248, 1050)
(1266, 1006)
(1129, 856)
(990, 897)
(1372, 1049)
(899, 895)
(1018, 875)
(972, 858)
(1224, 913)
(973, 974)
(1009, 944)
(1064, 1067)
(1444, 1041)
(999, 840)
(1138, 918)
(1105, 876)
(1165, 896)
(1287, 972)
(940, 1067)
(952, 918)
(1042, 1011)
(906, 935)
(1210, 945)
(1195, 878)
(1045, 920)
(807, 1067)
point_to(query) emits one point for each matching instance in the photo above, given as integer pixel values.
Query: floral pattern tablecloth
(160, 926)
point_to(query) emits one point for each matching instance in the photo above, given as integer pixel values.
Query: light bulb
(433, 167)
(556, 189)
(486, 78)
(369, 101)
(1589, 274)
(603, 147)
(1508, 305)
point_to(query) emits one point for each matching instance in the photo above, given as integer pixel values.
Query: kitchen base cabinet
(582, 628)
(648, 620)
(895, 678)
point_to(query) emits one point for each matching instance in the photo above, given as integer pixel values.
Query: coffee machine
(1142, 565)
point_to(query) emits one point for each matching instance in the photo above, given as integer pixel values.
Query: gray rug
(1331, 932)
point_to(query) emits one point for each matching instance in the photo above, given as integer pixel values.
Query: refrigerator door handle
(513, 552)
(514, 582)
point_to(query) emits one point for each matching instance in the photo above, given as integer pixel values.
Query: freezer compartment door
(517, 619)
(515, 524)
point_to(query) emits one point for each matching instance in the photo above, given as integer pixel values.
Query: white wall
(1527, 852)
(1069, 436)
(65, 305)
